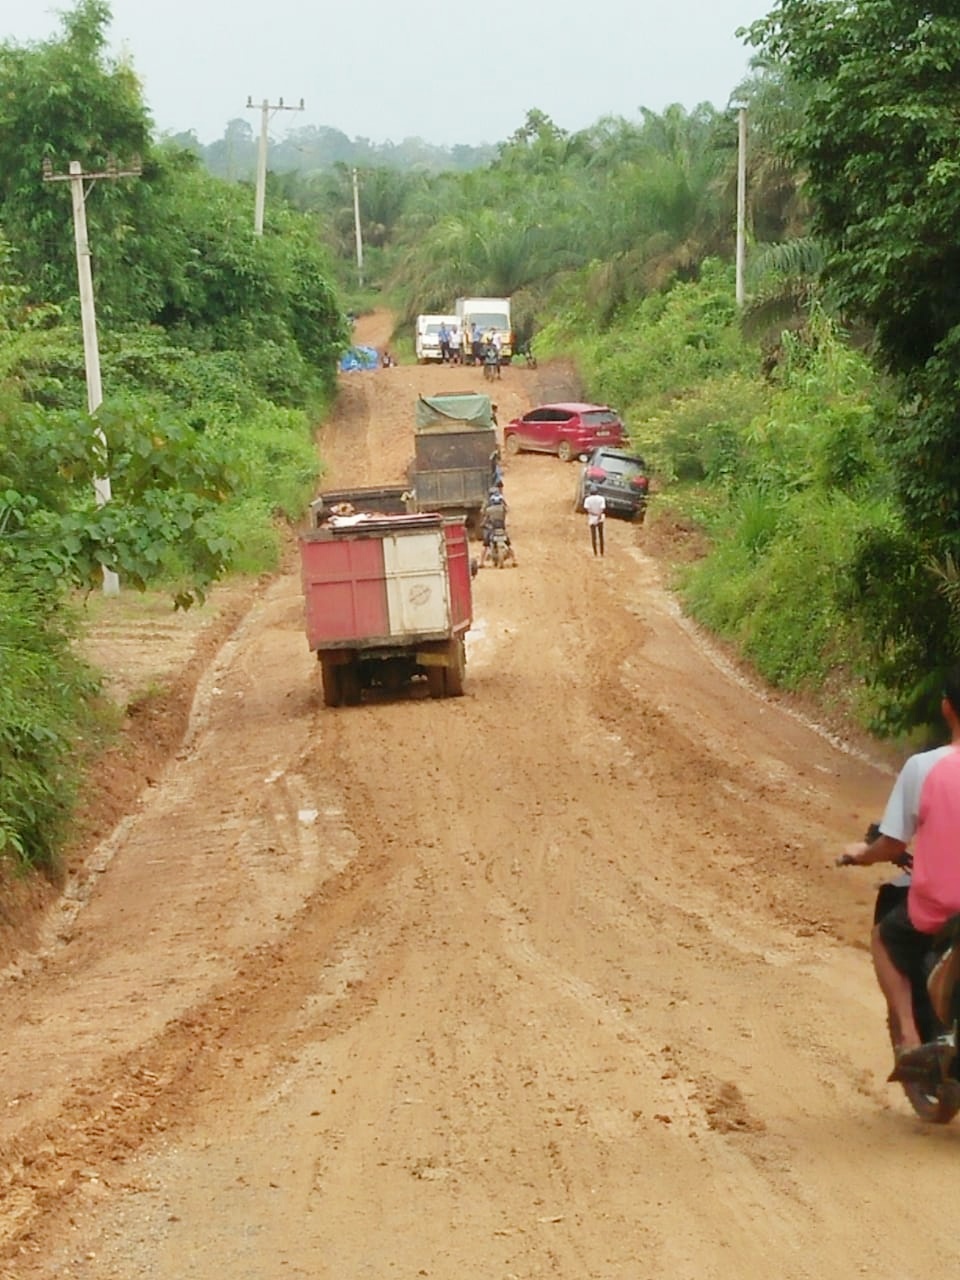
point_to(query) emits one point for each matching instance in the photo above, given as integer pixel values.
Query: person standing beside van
(443, 337)
(456, 341)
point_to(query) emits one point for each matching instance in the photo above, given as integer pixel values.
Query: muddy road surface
(553, 980)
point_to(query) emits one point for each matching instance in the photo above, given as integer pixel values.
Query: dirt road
(553, 980)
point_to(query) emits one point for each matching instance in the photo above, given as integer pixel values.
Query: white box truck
(486, 314)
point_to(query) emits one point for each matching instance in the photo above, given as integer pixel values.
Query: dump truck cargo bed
(387, 598)
(391, 499)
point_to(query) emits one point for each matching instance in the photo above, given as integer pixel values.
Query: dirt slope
(552, 980)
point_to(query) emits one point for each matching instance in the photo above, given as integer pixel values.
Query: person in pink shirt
(924, 807)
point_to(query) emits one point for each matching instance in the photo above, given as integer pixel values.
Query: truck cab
(487, 314)
(426, 336)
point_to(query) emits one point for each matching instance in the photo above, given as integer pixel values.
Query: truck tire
(437, 682)
(332, 687)
(350, 683)
(455, 671)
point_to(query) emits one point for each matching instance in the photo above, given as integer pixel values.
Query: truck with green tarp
(455, 455)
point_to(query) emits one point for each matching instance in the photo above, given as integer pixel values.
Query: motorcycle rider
(924, 806)
(495, 517)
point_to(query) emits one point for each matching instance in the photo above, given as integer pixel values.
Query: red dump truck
(388, 598)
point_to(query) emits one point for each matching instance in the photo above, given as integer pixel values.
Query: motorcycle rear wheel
(938, 1107)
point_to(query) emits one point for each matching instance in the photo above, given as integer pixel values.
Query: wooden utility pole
(267, 112)
(88, 317)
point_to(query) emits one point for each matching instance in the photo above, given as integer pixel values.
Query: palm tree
(662, 205)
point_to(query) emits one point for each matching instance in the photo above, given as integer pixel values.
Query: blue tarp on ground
(359, 358)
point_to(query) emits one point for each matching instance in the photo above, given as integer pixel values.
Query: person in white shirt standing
(595, 505)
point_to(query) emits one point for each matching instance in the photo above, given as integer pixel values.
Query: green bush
(43, 711)
(774, 585)
(667, 346)
(699, 436)
(808, 562)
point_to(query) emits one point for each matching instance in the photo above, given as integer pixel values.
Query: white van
(426, 341)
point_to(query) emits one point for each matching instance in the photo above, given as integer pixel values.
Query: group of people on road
(470, 345)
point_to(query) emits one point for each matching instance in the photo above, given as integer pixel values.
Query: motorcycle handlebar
(904, 860)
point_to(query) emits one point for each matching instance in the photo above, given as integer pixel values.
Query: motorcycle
(931, 1078)
(499, 549)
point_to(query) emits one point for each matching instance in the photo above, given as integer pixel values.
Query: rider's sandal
(923, 1063)
(900, 1053)
(908, 1065)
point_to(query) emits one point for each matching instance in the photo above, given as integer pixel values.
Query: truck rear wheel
(350, 683)
(332, 687)
(454, 673)
(437, 681)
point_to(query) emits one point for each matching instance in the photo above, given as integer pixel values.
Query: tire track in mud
(137, 1098)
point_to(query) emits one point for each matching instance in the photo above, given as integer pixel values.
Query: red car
(564, 429)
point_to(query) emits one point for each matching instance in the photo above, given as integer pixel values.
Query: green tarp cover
(449, 413)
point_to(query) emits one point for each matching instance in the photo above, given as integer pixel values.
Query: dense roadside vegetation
(813, 435)
(218, 352)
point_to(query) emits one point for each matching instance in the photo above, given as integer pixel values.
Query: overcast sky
(386, 70)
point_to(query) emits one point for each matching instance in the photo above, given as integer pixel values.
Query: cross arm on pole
(267, 111)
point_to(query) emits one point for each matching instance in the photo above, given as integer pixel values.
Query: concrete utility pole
(356, 226)
(741, 199)
(267, 112)
(88, 318)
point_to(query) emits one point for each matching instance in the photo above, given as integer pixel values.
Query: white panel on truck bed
(418, 592)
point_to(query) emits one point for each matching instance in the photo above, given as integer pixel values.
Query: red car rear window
(599, 418)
